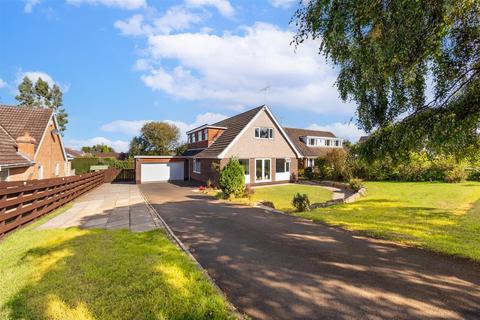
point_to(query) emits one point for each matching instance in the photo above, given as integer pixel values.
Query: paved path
(275, 266)
(110, 206)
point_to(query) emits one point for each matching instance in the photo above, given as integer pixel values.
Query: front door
(263, 170)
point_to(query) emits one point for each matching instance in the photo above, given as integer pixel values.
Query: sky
(121, 63)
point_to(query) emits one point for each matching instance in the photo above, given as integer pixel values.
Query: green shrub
(82, 165)
(308, 172)
(301, 202)
(355, 184)
(455, 175)
(232, 179)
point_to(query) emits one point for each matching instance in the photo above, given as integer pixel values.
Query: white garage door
(152, 172)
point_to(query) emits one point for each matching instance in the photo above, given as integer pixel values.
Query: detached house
(268, 152)
(30, 145)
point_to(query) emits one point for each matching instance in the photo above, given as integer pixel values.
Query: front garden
(442, 217)
(101, 274)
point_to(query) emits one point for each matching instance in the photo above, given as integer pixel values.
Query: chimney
(26, 145)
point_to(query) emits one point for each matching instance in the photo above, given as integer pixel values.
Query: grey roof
(306, 151)
(234, 125)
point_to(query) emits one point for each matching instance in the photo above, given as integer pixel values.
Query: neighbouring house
(72, 153)
(266, 150)
(363, 139)
(313, 144)
(30, 145)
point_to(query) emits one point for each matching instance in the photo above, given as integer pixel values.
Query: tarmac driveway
(274, 266)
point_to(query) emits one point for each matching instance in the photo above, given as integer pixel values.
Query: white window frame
(285, 175)
(247, 175)
(270, 133)
(40, 172)
(263, 170)
(7, 178)
(57, 169)
(196, 163)
(310, 162)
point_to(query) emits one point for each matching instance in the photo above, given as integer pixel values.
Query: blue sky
(123, 62)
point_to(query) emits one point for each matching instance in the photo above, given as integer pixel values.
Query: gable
(247, 146)
(50, 146)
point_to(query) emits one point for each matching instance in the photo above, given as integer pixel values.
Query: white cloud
(284, 4)
(232, 68)
(117, 145)
(132, 127)
(35, 75)
(3, 84)
(223, 6)
(133, 26)
(176, 18)
(122, 4)
(343, 130)
(29, 4)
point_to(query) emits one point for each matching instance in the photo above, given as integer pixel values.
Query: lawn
(99, 274)
(282, 196)
(438, 216)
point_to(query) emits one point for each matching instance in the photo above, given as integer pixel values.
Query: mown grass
(438, 216)
(100, 274)
(282, 196)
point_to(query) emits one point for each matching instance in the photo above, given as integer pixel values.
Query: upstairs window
(327, 142)
(337, 143)
(264, 133)
(311, 141)
(204, 134)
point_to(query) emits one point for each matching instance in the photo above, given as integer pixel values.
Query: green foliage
(355, 184)
(40, 95)
(82, 165)
(419, 166)
(301, 202)
(308, 172)
(386, 51)
(180, 149)
(232, 179)
(156, 138)
(98, 148)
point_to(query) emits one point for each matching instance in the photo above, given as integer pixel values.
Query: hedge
(82, 165)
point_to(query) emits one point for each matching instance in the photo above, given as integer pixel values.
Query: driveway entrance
(275, 266)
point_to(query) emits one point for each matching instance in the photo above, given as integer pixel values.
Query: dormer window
(264, 133)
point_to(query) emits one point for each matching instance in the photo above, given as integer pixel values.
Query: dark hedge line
(82, 165)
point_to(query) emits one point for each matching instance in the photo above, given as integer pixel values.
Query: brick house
(30, 145)
(266, 150)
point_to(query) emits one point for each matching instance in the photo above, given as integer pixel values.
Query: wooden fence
(23, 201)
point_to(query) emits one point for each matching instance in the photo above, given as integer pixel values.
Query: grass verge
(100, 274)
(280, 196)
(438, 216)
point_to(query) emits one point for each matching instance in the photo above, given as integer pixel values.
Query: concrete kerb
(157, 218)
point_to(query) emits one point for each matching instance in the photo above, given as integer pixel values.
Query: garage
(157, 169)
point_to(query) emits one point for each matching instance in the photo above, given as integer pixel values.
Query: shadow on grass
(100, 274)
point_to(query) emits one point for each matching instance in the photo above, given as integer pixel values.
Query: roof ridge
(239, 114)
(8, 134)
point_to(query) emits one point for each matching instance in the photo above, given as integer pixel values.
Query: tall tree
(412, 67)
(156, 138)
(40, 95)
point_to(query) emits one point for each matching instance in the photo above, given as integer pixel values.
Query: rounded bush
(232, 179)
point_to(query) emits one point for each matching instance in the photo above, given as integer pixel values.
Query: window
(4, 173)
(40, 172)
(246, 165)
(204, 134)
(57, 169)
(262, 169)
(311, 141)
(189, 138)
(337, 143)
(310, 163)
(327, 142)
(264, 133)
(197, 166)
(282, 165)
